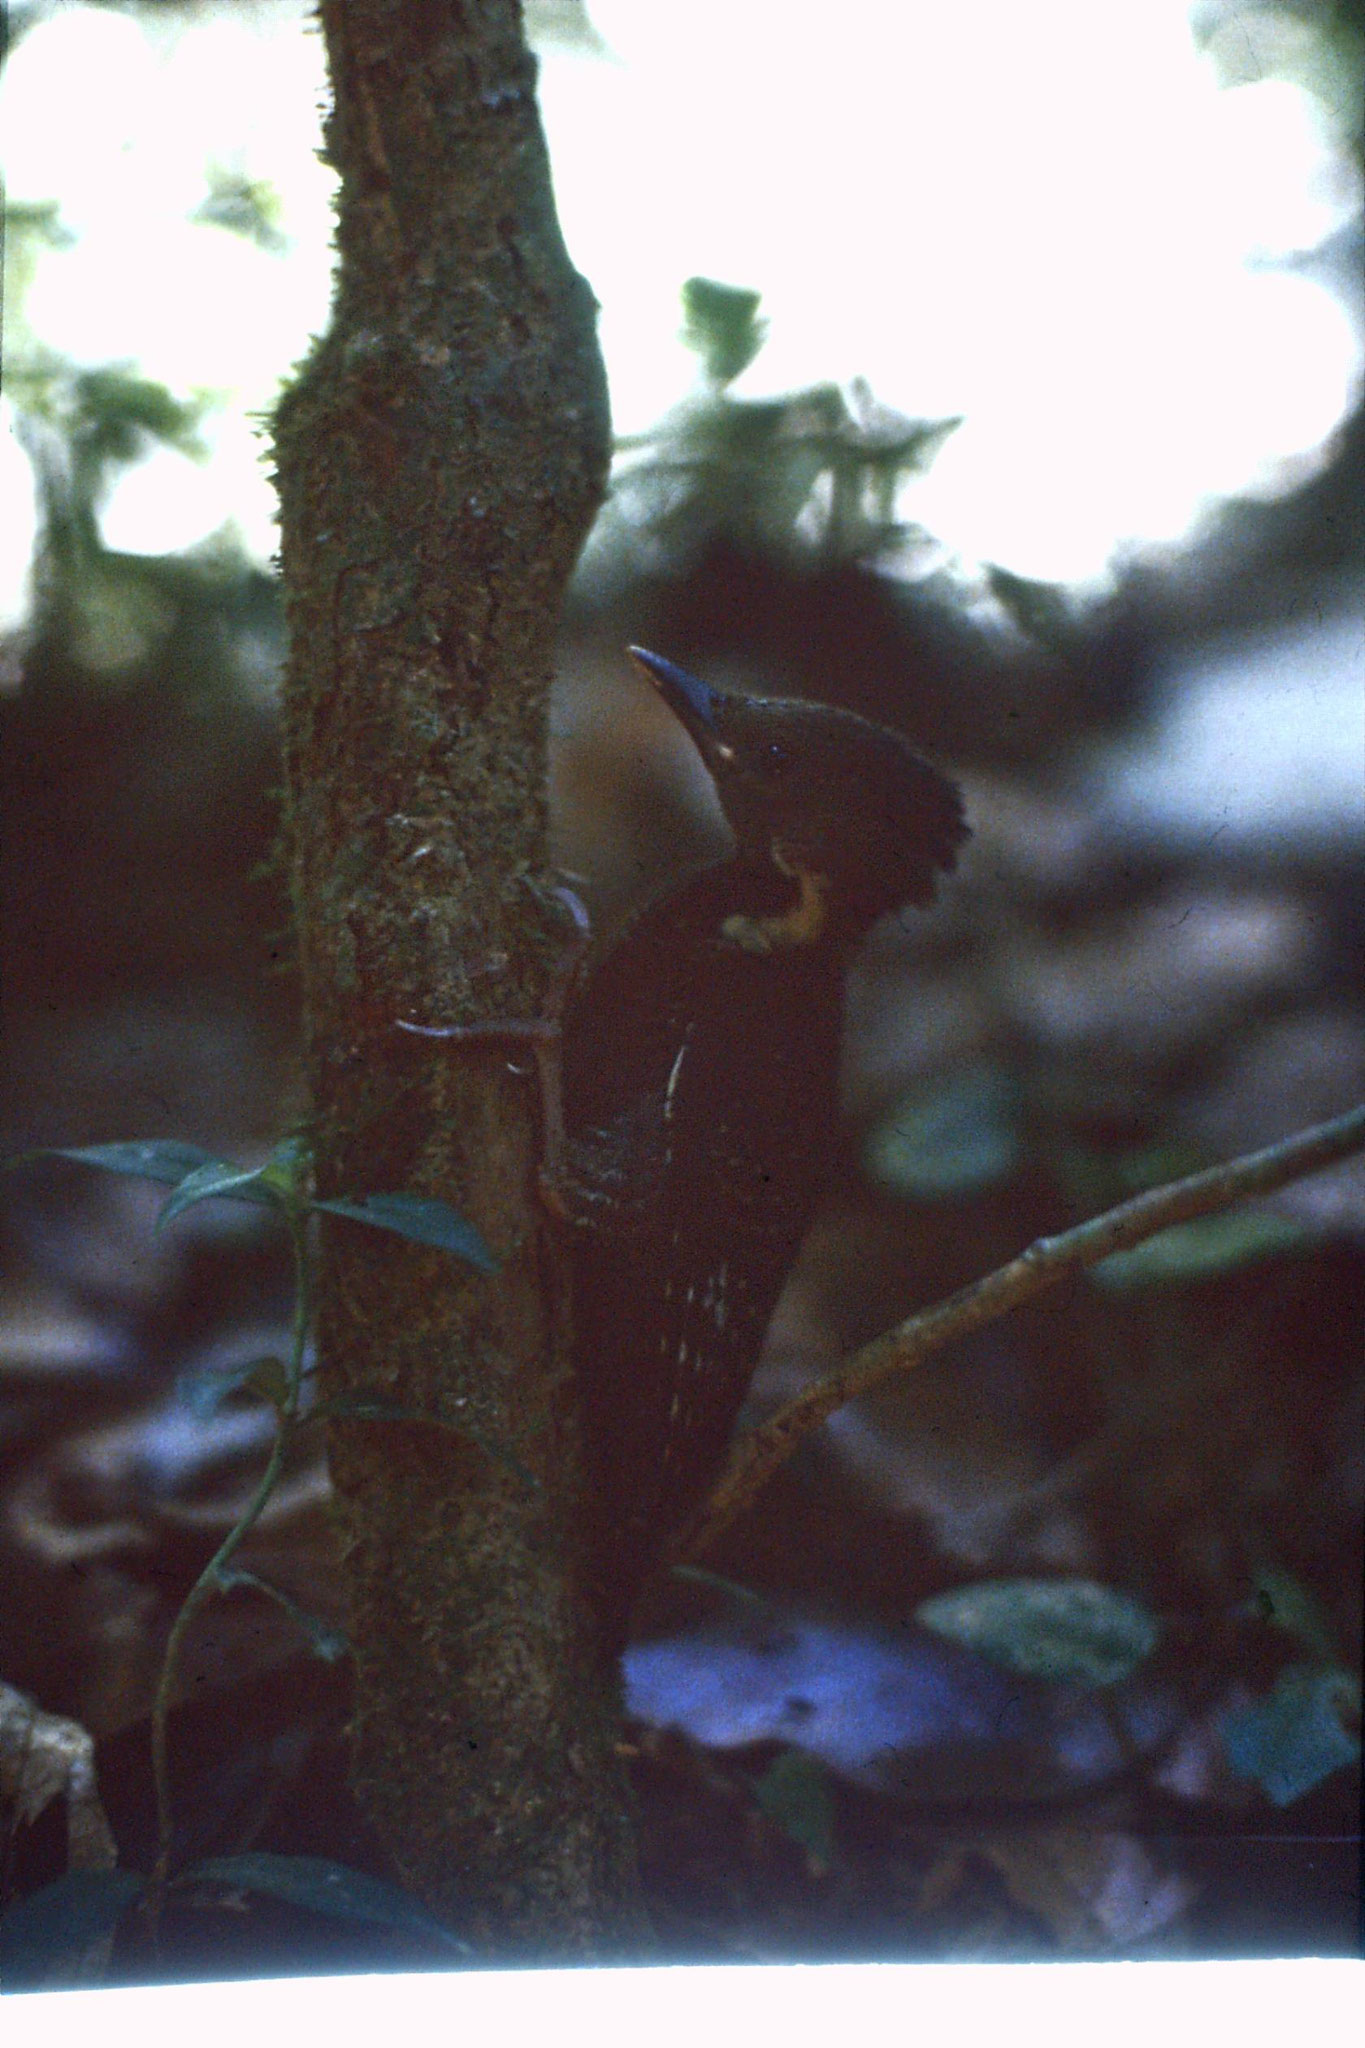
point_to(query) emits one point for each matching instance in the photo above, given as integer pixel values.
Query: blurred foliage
(80, 427)
(245, 206)
(1316, 44)
(1295, 1738)
(27, 231)
(1307, 1727)
(721, 327)
(101, 611)
(1040, 610)
(1070, 1630)
(1208, 1248)
(100, 615)
(562, 24)
(794, 1793)
(1204, 1249)
(325, 1887)
(47, 1939)
(951, 1138)
(1286, 1603)
(970, 1130)
(138, 738)
(59, 1936)
(811, 477)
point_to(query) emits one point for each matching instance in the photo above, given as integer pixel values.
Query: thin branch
(759, 1453)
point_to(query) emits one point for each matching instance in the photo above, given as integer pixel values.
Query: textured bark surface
(440, 458)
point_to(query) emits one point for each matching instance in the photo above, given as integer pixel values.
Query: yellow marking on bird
(801, 925)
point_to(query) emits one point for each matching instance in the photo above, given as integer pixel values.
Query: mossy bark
(440, 458)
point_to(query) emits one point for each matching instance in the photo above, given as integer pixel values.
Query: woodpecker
(698, 1069)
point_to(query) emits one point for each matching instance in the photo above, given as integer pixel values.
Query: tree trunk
(440, 458)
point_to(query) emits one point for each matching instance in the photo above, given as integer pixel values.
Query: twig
(759, 1453)
(210, 1580)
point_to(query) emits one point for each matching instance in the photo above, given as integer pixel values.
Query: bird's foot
(566, 1198)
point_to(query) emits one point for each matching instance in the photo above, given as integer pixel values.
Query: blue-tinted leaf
(422, 1219)
(1294, 1738)
(54, 1928)
(324, 1887)
(218, 1177)
(163, 1159)
(327, 1642)
(951, 1139)
(204, 1390)
(1067, 1629)
(794, 1793)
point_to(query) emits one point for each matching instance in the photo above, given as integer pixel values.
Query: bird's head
(820, 793)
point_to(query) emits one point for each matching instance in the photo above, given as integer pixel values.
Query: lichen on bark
(440, 458)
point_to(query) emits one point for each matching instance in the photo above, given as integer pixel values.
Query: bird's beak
(693, 703)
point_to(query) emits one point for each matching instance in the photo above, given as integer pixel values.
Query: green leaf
(1203, 1250)
(952, 1139)
(218, 1177)
(324, 1887)
(421, 1219)
(1067, 1629)
(204, 1391)
(53, 1928)
(163, 1159)
(1293, 1739)
(721, 326)
(195, 1175)
(794, 1793)
(116, 409)
(287, 1171)
(327, 1642)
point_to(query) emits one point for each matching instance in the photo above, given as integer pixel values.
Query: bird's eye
(773, 758)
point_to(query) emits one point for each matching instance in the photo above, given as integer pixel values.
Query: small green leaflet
(217, 1177)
